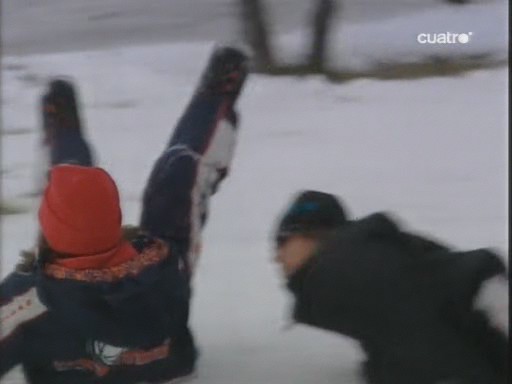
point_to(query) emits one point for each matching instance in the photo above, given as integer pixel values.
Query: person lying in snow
(422, 312)
(94, 306)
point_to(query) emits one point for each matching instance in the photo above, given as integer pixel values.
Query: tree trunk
(255, 31)
(322, 20)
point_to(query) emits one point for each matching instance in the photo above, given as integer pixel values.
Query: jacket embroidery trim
(151, 255)
(132, 357)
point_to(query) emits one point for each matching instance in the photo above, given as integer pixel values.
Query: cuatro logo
(444, 38)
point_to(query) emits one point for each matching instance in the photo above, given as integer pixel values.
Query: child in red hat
(99, 305)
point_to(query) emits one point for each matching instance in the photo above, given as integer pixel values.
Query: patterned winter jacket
(122, 324)
(423, 314)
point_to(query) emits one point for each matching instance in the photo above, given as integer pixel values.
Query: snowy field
(63, 25)
(391, 40)
(432, 151)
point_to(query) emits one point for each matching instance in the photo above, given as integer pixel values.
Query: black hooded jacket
(407, 300)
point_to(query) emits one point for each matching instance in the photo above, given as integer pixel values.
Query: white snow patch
(361, 46)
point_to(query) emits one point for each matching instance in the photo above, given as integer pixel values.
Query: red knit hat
(79, 212)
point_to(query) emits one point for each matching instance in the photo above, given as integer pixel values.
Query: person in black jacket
(94, 304)
(422, 312)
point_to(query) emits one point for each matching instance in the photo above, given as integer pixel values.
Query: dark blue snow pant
(175, 201)
(69, 147)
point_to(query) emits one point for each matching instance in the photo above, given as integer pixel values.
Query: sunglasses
(282, 238)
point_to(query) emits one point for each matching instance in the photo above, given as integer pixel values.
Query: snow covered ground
(432, 151)
(62, 25)
(361, 46)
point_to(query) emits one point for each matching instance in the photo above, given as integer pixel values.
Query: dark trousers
(187, 173)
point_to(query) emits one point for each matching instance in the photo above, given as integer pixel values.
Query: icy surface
(432, 151)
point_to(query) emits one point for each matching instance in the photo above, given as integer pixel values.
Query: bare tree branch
(255, 30)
